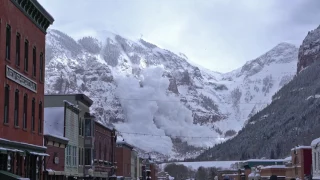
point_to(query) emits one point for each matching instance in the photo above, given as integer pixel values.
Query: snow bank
(206, 164)
(150, 109)
(274, 167)
(301, 147)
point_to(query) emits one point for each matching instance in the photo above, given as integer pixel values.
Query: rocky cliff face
(158, 95)
(309, 50)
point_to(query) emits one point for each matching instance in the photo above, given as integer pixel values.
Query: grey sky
(217, 34)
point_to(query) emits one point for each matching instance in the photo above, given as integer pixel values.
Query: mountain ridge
(209, 103)
(291, 119)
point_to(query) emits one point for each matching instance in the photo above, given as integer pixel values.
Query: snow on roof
(265, 160)
(109, 127)
(289, 158)
(54, 122)
(206, 164)
(274, 167)
(315, 142)
(70, 104)
(42, 147)
(301, 147)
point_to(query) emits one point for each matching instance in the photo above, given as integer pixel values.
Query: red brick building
(154, 171)
(301, 162)
(55, 141)
(23, 25)
(55, 161)
(123, 159)
(105, 146)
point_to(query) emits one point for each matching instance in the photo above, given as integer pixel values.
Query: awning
(5, 150)
(38, 154)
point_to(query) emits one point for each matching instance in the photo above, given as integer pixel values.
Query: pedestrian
(273, 177)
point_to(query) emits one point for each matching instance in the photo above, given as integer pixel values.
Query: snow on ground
(206, 164)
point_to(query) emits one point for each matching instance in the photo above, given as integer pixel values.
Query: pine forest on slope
(292, 119)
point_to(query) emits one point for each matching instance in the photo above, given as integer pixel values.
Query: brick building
(55, 141)
(105, 146)
(23, 25)
(301, 161)
(123, 159)
(278, 170)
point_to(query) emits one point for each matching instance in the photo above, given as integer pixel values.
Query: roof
(79, 97)
(301, 147)
(264, 160)
(104, 125)
(315, 142)
(289, 158)
(54, 122)
(274, 167)
(43, 11)
(125, 144)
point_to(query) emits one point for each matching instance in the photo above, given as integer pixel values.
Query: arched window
(100, 152)
(6, 104)
(25, 110)
(16, 108)
(33, 106)
(40, 118)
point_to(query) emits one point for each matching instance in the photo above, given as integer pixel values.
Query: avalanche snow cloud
(150, 109)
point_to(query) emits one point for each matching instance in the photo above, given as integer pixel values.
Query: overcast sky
(217, 34)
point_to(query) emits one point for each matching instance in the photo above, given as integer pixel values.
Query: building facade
(123, 159)
(55, 141)
(315, 144)
(71, 132)
(301, 160)
(104, 151)
(134, 164)
(23, 26)
(85, 129)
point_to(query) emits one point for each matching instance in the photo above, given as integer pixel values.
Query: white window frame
(318, 159)
(74, 155)
(68, 155)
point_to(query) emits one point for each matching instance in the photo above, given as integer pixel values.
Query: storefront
(22, 159)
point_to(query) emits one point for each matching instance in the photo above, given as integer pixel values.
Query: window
(41, 67)
(18, 49)
(6, 104)
(82, 156)
(40, 118)
(87, 156)
(16, 108)
(88, 127)
(8, 41)
(105, 152)
(26, 55)
(74, 154)
(318, 160)
(33, 106)
(100, 152)
(79, 156)
(34, 61)
(25, 110)
(80, 127)
(68, 156)
(315, 161)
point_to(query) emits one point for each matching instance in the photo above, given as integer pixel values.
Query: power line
(158, 100)
(155, 135)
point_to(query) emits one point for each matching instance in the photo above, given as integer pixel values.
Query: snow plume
(151, 109)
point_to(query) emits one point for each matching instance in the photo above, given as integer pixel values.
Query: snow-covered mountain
(156, 99)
